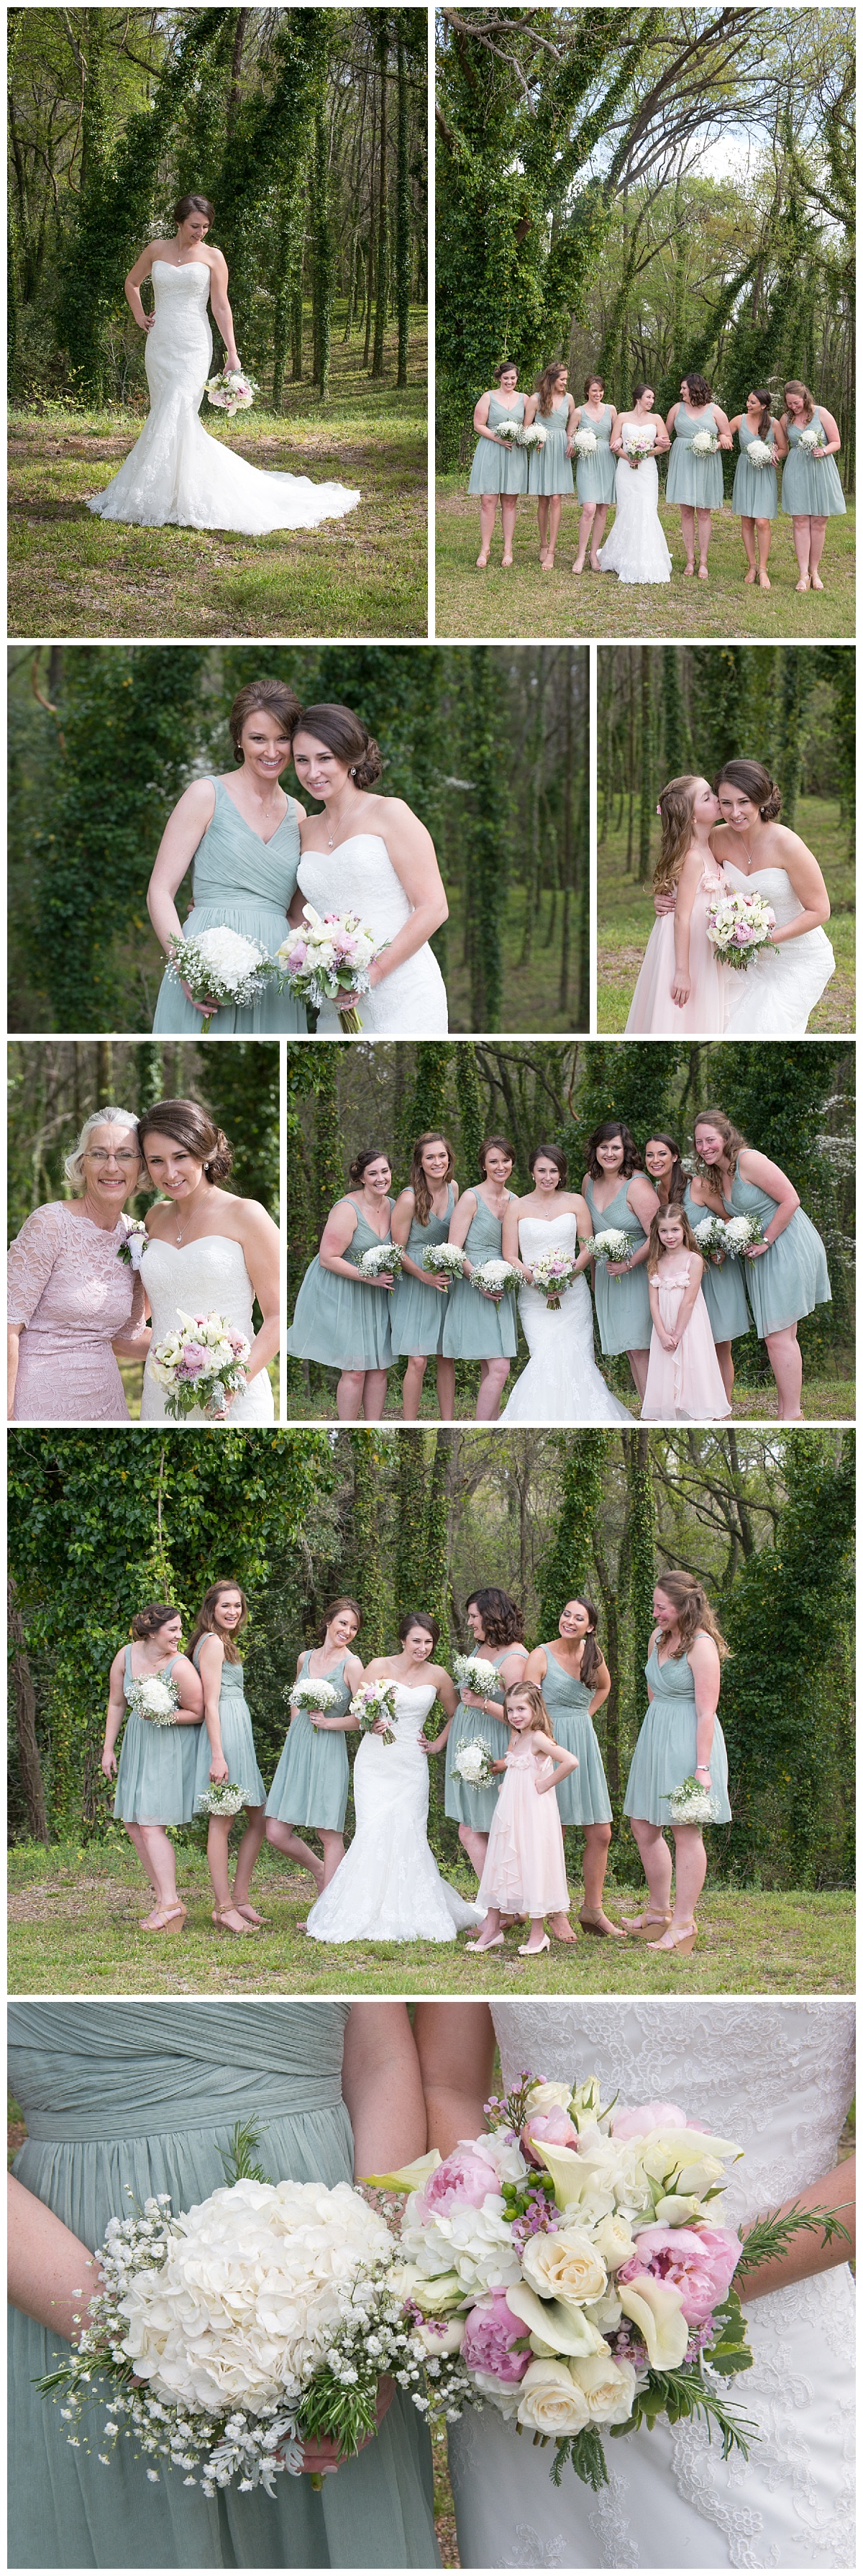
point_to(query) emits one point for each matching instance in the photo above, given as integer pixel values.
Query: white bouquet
(134, 1243)
(739, 926)
(534, 434)
(375, 1700)
(473, 1763)
(510, 431)
(381, 1261)
(220, 1798)
(692, 1804)
(551, 1274)
(314, 1697)
(473, 1673)
(611, 1244)
(220, 966)
(200, 1365)
(445, 1259)
(584, 442)
(155, 1697)
(231, 390)
(495, 1277)
(711, 1239)
(329, 955)
(759, 453)
(742, 1232)
(637, 443)
(705, 443)
(812, 438)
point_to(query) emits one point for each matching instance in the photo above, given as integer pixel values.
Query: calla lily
(553, 2325)
(407, 2177)
(574, 2180)
(657, 2312)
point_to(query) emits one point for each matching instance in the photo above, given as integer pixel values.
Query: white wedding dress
(778, 2078)
(635, 548)
(176, 476)
(561, 1382)
(776, 994)
(203, 1278)
(358, 876)
(389, 1887)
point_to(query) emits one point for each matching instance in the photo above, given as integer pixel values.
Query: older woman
(74, 1303)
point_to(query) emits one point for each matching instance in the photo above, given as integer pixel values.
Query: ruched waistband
(105, 2122)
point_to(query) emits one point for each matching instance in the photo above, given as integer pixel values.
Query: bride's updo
(187, 206)
(190, 1127)
(347, 738)
(272, 698)
(754, 781)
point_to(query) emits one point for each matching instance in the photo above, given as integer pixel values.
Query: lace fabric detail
(359, 877)
(778, 992)
(71, 1297)
(389, 1887)
(636, 549)
(204, 1277)
(561, 1382)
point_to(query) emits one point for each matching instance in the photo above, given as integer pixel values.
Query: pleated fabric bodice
(623, 1303)
(93, 2075)
(582, 1796)
(242, 883)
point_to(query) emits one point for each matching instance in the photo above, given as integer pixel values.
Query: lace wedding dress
(203, 1278)
(561, 1382)
(636, 549)
(176, 476)
(389, 1887)
(778, 2078)
(773, 998)
(359, 877)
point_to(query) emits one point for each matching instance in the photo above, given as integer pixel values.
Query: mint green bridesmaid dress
(474, 1328)
(594, 475)
(156, 1771)
(582, 1797)
(144, 2097)
(622, 1304)
(342, 1326)
(311, 1784)
(696, 481)
(810, 491)
(500, 469)
(724, 1291)
(419, 1314)
(756, 493)
(549, 468)
(475, 1807)
(239, 882)
(791, 1277)
(667, 1750)
(238, 1743)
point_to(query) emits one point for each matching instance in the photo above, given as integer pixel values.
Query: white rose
(550, 2401)
(436, 2340)
(608, 2387)
(565, 2265)
(613, 2241)
(549, 2097)
(435, 2295)
(656, 2310)
(680, 2209)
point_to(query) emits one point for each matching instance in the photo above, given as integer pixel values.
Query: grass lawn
(829, 1399)
(529, 603)
(625, 918)
(73, 1928)
(365, 575)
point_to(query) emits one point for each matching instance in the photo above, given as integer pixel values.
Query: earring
(352, 773)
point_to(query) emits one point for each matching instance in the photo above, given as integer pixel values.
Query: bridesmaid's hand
(206, 1008)
(219, 1768)
(473, 1699)
(108, 1762)
(378, 1278)
(617, 1269)
(752, 1250)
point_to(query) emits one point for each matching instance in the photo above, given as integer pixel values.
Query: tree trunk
(29, 1765)
(243, 16)
(566, 846)
(381, 278)
(647, 798)
(403, 217)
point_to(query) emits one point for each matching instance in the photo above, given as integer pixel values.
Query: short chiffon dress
(582, 1797)
(467, 1806)
(239, 882)
(667, 1750)
(755, 493)
(652, 1013)
(549, 468)
(810, 491)
(500, 469)
(622, 1304)
(418, 1314)
(594, 474)
(238, 1744)
(157, 1768)
(70, 1296)
(525, 1864)
(791, 1278)
(141, 2097)
(474, 1327)
(311, 1784)
(344, 1327)
(684, 1385)
(723, 1290)
(694, 480)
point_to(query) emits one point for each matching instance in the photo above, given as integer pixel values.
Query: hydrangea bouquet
(314, 1697)
(231, 390)
(759, 453)
(154, 1697)
(812, 438)
(495, 1278)
(220, 1798)
(739, 926)
(473, 1673)
(446, 1260)
(742, 1232)
(473, 1763)
(375, 1700)
(381, 1261)
(327, 956)
(551, 1274)
(712, 1240)
(705, 443)
(514, 433)
(220, 966)
(584, 442)
(200, 1365)
(612, 1244)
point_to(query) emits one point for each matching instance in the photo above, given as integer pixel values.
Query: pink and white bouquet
(739, 926)
(220, 966)
(200, 1365)
(231, 390)
(372, 1701)
(314, 1697)
(637, 443)
(551, 1273)
(446, 1260)
(327, 955)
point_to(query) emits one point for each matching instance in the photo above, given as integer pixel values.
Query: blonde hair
(731, 1137)
(673, 1214)
(793, 385)
(693, 1610)
(531, 1691)
(676, 808)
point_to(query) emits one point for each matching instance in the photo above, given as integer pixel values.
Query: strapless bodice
(773, 883)
(358, 877)
(412, 1708)
(203, 1277)
(171, 284)
(538, 1234)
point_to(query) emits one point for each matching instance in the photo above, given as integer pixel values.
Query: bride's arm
(804, 876)
(509, 1239)
(134, 283)
(260, 1244)
(455, 2047)
(411, 853)
(809, 2253)
(220, 308)
(582, 1218)
(448, 1696)
(662, 440)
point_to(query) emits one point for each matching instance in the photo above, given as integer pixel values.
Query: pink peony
(489, 2336)
(194, 1359)
(297, 956)
(549, 2128)
(698, 2262)
(462, 2181)
(648, 2115)
(743, 934)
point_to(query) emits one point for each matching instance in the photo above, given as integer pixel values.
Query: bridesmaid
(618, 1194)
(341, 1316)
(421, 1217)
(312, 1781)
(756, 494)
(811, 490)
(574, 1680)
(240, 835)
(786, 1273)
(226, 1751)
(497, 1630)
(156, 1775)
(594, 474)
(664, 1162)
(478, 1326)
(695, 481)
(549, 472)
(681, 1736)
(498, 469)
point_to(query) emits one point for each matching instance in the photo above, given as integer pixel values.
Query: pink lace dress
(70, 1297)
(683, 1385)
(652, 1013)
(525, 1868)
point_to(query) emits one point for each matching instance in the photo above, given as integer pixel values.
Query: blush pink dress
(525, 1868)
(652, 1013)
(71, 1297)
(683, 1385)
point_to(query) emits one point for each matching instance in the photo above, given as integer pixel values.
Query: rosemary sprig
(770, 2237)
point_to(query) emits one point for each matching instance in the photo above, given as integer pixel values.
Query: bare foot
(578, 567)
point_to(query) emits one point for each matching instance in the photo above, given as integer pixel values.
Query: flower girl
(525, 1869)
(684, 1380)
(682, 988)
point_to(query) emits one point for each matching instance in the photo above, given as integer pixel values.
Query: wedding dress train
(561, 1382)
(636, 549)
(389, 1887)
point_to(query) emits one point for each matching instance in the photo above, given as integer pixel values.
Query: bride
(175, 475)
(561, 1382)
(370, 855)
(206, 1250)
(636, 549)
(388, 1887)
(776, 995)
(777, 2076)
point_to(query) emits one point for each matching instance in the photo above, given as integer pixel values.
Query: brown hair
(676, 809)
(674, 1214)
(343, 1601)
(207, 1622)
(344, 735)
(502, 1145)
(693, 1610)
(503, 369)
(731, 1136)
(591, 1651)
(604, 1135)
(677, 1185)
(194, 206)
(793, 386)
(551, 1154)
(274, 698)
(762, 396)
(418, 1181)
(755, 782)
(594, 379)
(547, 384)
(698, 390)
(643, 387)
(147, 1622)
(358, 1168)
(530, 1690)
(500, 1615)
(418, 1619)
(189, 1126)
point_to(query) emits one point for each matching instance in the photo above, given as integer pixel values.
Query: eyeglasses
(97, 1154)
